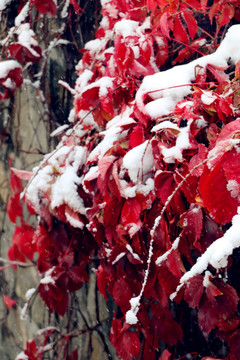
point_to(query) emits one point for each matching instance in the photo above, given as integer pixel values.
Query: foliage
(145, 178)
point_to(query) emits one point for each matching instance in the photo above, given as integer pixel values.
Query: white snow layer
(22, 15)
(7, 66)
(63, 186)
(168, 87)
(4, 4)
(139, 161)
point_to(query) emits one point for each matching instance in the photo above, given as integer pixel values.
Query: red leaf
(204, 4)
(45, 6)
(237, 70)
(164, 327)
(179, 31)
(191, 23)
(23, 54)
(127, 343)
(77, 8)
(12, 78)
(14, 208)
(226, 14)
(22, 174)
(234, 344)
(167, 279)
(131, 211)
(112, 211)
(207, 316)
(193, 291)
(198, 159)
(23, 241)
(218, 73)
(151, 5)
(9, 302)
(122, 294)
(162, 51)
(136, 136)
(193, 221)
(164, 24)
(104, 168)
(165, 355)
(54, 297)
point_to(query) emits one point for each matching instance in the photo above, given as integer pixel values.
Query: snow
(208, 97)
(114, 132)
(168, 87)
(216, 254)
(131, 317)
(60, 183)
(4, 4)
(165, 125)
(126, 27)
(22, 15)
(64, 12)
(6, 66)
(129, 248)
(95, 45)
(139, 161)
(163, 257)
(47, 280)
(118, 257)
(59, 130)
(30, 293)
(26, 37)
(105, 2)
(74, 222)
(182, 142)
(22, 356)
(83, 80)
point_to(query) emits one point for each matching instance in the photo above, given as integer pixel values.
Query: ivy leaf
(216, 197)
(24, 54)
(166, 355)
(191, 23)
(45, 6)
(9, 302)
(193, 291)
(121, 287)
(179, 31)
(131, 211)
